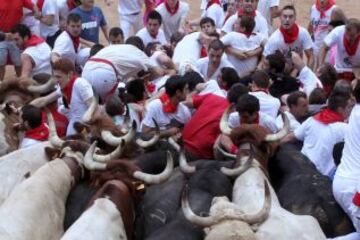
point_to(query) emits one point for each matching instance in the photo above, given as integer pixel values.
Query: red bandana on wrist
(40, 133)
(256, 120)
(351, 49)
(33, 41)
(168, 107)
(248, 34)
(327, 7)
(150, 87)
(175, 10)
(328, 116)
(211, 2)
(40, 4)
(68, 89)
(203, 52)
(241, 12)
(290, 35)
(75, 41)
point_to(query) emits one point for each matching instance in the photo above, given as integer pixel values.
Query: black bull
(302, 190)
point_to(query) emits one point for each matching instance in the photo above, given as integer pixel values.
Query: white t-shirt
(28, 142)
(241, 42)
(128, 7)
(188, 49)
(294, 124)
(216, 13)
(65, 48)
(319, 140)
(147, 38)
(203, 63)
(268, 104)
(264, 120)
(320, 26)
(40, 54)
(261, 25)
(350, 161)
(343, 62)
(155, 110)
(309, 80)
(50, 7)
(264, 7)
(212, 87)
(171, 23)
(277, 42)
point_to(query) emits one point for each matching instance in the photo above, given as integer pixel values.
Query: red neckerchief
(248, 34)
(172, 12)
(40, 4)
(71, 4)
(328, 116)
(34, 40)
(150, 87)
(290, 35)
(68, 89)
(75, 41)
(203, 52)
(351, 49)
(256, 120)
(241, 12)
(211, 2)
(40, 133)
(327, 7)
(168, 107)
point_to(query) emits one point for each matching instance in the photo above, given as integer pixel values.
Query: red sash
(328, 116)
(351, 49)
(211, 2)
(34, 40)
(241, 12)
(323, 11)
(168, 107)
(290, 35)
(40, 133)
(75, 41)
(68, 89)
(172, 12)
(40, 4)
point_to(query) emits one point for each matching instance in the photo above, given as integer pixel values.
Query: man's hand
(297, 61)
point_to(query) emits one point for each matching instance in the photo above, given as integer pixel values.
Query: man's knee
(3, 53)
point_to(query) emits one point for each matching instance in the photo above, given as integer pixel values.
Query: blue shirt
(91, 22)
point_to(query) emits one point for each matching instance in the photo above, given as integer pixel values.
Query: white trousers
(130, 22)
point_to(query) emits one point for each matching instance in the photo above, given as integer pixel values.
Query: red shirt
(11, 12)
(201, 131)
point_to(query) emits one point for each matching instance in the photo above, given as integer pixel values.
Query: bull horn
(282, 133)
(113, 155)
(184, 166)
(40, 89)
(173, 143)
(90, 112)
(89, 162)
(127, 120)
(242, 168)
(110, 139)
(157, 178)
(153, 140)
(54, 139)
(223, 152)
(224, 126)
(191, 216)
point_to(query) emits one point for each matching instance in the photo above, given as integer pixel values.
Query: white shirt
(277, 42)
(264, 120)
(202, 66)
(212, 87)
(261, 25)
(294, 124)
(40, 54)
(27, 142)
(128, 7)
(264, 7)
(216, 13)
(343, 62)
(350, 162)
(155, 110)
(64, 47)
(50, 7)
(188, 49)
(268, 104)
(319, 140)
(241, 42)
(171, 23)
(309, 80)
(320, 26)
(147, 38)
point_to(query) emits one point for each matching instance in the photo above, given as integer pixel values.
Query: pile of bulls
(105, 184)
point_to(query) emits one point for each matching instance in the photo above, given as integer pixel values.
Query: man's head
(341, 103)
(87, 3)
(327, 75)
(153, 47)
(298, 105)
(30, 117)
(73, 24)
(21, 33)
(135, 90)
(249, 6)
(288, 16)
(323, 3)
(175, 38)
(136, 41)
(260, 81)
(154, 21)
(193, 78)
(352, 29)
(275, 63)
(176, 86)
(95, 49)
(172, 3)
(215, 52)
(207, 25)
(116, 36)
(235, 92)
(232, 6)
(63, 70)
(248, 108)
(228, 78)
(114, 106)
(244, 24)
(317, 97)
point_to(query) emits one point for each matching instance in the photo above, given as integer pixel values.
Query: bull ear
(52, 153)
(81, 128)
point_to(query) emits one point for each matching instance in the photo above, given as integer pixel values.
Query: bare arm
(163, 133)
(166, 61)
(47, 19)
(104, 29)
(44, 101)
(236, 53)
(54, 57)
(27, 65)
(310, 58)
(255, 52)
(86, 43)
(322, 54)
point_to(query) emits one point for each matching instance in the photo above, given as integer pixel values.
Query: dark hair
(155, 16)
(214, 34)
(114, 106)
(22, 30)
(205, 20)
(289, 7)
(73, 17)
(64, 65)
(276, 61)
(353, 23)
(342, 87)
(293, 98)
(328, 75)
(175, 83)
(356, 92)
(248, 103)
(193, 78)
(317, 96)
(229, 76)
(336, 23)
(95, 49)
(337, 100)
(135, 90)
(176, 37)
(32, 115)
(216, 45)
(136, 41)
(248, 23)
(261, 79)
(116, 31)
(151, 47)
(236, 91)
